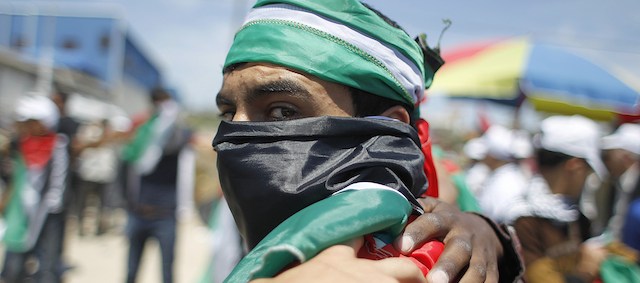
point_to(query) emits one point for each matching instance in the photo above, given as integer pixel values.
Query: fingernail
(437, 276)
(406, 244)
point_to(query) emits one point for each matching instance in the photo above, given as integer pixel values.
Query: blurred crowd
(56, 169)
(571, 191)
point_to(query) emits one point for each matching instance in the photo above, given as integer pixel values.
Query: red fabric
(138, 119)
(424, 257)
(37, 150)
(429, 167)
(483, 119)
(450, 166)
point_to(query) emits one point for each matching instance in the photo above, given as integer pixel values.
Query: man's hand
(591, 257)
(339, 264)
(472, 249)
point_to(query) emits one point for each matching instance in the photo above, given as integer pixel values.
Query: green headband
(339, 41)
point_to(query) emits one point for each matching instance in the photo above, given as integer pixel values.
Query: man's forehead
(250, 83)
(267, 78)
(256, 75)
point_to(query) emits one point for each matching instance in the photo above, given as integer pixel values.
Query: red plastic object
(427, 255)
(424, 257)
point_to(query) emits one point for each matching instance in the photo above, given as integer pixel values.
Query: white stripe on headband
(403, 69)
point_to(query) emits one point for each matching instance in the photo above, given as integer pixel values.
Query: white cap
(521, 145)
(475, 149)
(499, 141)
(575, 136)
(37, 107)
(626, 137)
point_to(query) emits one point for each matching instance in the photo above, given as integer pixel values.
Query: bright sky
(189, 39)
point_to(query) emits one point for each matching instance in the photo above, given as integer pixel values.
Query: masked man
(320, 102)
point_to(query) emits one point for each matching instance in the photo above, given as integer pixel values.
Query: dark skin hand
(462, 234)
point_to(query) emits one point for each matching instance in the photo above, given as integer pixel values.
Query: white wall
(13, 83)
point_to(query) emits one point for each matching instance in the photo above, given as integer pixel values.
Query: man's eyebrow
(282, 86)
(285, 86)
(221, 99)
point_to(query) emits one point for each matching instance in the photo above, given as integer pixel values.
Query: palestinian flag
(15, 216)
(344, 216)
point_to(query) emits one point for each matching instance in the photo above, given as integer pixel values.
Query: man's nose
(241, 116)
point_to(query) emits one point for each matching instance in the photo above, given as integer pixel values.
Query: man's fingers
(453, 259)
(352, 246)
(402, 269)
(437, 276)
(428, 203)
(480, 270)
(471, 247)
(429, 226)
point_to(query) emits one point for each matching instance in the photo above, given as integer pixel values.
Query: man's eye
(227, 115)
(282, 113)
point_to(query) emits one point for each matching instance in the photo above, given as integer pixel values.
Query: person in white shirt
(621, 156)
(506, 182)
(478, 171)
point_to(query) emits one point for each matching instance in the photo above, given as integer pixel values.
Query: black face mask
(271, 170)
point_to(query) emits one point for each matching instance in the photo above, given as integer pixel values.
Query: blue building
(86, 40)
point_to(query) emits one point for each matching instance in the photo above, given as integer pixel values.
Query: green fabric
(334, 220)
(212, 223)
(330, 60)
(615, 269)
(318, 53)
(466, 200)
(16, 218)
(207, 275)
(143, 137)
(358, 17)
(214, 213)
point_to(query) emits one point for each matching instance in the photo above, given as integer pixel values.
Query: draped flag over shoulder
(16, 218)
(342, 217)
(143, 137)
(29, 202)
